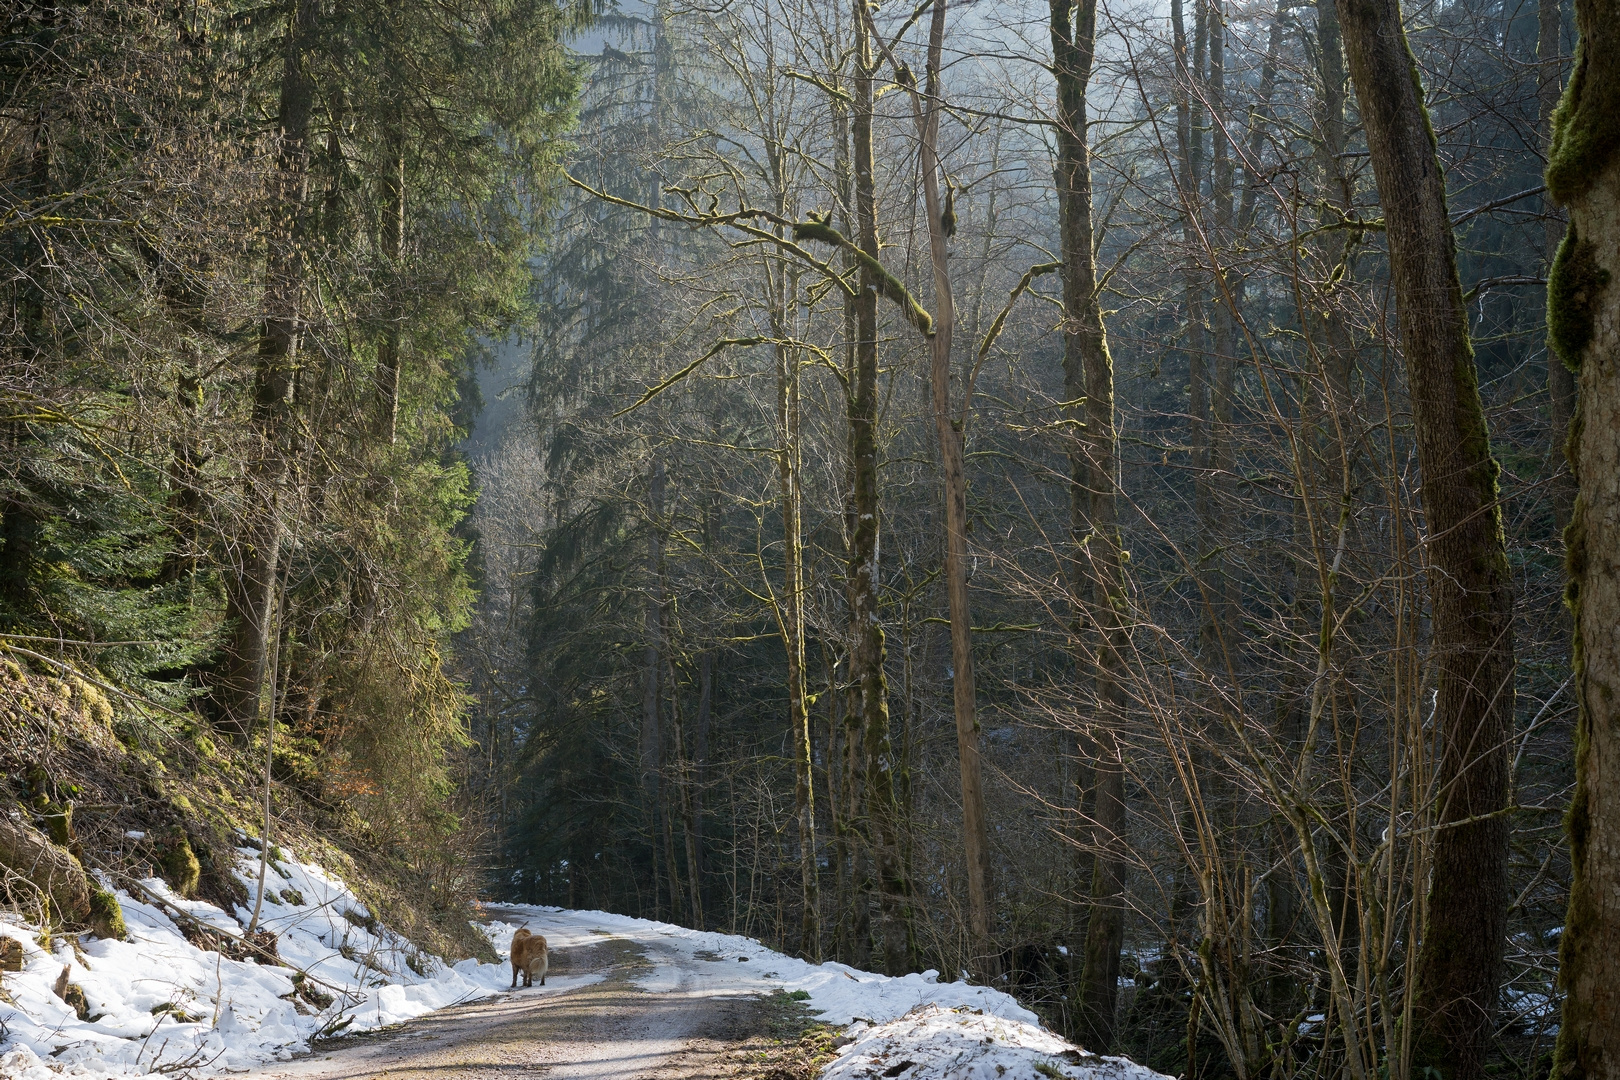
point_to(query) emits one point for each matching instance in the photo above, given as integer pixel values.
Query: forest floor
(610, 1028)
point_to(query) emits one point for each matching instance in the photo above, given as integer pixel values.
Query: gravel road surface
(607, 1030)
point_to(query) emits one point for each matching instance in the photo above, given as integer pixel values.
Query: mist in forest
(1107, 501)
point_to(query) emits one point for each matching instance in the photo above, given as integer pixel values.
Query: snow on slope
(159, 1003)
(935, 1030)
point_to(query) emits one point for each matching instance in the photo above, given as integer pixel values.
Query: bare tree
(1470, 586)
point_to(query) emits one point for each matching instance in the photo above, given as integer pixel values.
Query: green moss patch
(178, 864)
(1586, 127)
(106, 917)
(1573, 289)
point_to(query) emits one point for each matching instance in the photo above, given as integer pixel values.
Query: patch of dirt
(775, 1039)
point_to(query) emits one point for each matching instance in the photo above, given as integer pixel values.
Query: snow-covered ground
(946, 1031)
(160, 1005)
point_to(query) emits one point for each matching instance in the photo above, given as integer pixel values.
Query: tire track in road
(606, 1030)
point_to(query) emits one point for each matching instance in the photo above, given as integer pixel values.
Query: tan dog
(529, 956)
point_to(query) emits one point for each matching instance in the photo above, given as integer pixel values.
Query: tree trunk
(852, 937)
(791, 615)
(1088, 375)
(1190, 95)
(652, 749)
(700, 769)
(250, 593)
(1560, 379)
(682, 771)
(388, 360)
(1219, 624)
(948, 429)
(1583, 314)
(1470, 587)
(867, 647)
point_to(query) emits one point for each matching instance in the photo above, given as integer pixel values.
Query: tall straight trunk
(668, 798)
(1339, 361)
(1088, 375)
(652, 741)
(781, 286)
(851, 934)
(1583, 313)
(1470, 586)
(682, 771)
(249, 594)
(1216, 530)
(867, 643)
(836, 799)
(1189, 57)
(948, 429)
(386, 378)
(700, 768)
(1334, 447)
(857, 832)
(791, 616)
(1560, 379)
(1190, 118)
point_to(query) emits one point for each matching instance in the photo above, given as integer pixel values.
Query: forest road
(610, 1029)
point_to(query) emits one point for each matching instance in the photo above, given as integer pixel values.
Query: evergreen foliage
(143, 201)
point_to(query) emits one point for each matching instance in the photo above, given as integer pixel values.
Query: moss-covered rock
(106, 916)
(178, 865)
(92, 702)
(54, 873)
(58, 821)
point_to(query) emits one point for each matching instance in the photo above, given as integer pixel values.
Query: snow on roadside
(158, 1003)
(730, 965)
(947, 1031)
(961, 1044)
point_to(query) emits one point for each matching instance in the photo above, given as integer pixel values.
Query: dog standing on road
(529, 957)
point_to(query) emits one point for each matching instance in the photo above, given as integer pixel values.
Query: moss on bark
(1574, 287)
(1586, 128)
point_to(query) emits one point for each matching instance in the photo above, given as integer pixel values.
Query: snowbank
(730, 966)
(947, 1031)
(957, 1044)
(157, 1002)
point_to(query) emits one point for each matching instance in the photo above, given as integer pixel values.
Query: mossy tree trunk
(867, 644)
(1583, 314)
(790, 611)
(1088, 386)
(1560, 380)
(1470, 587)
